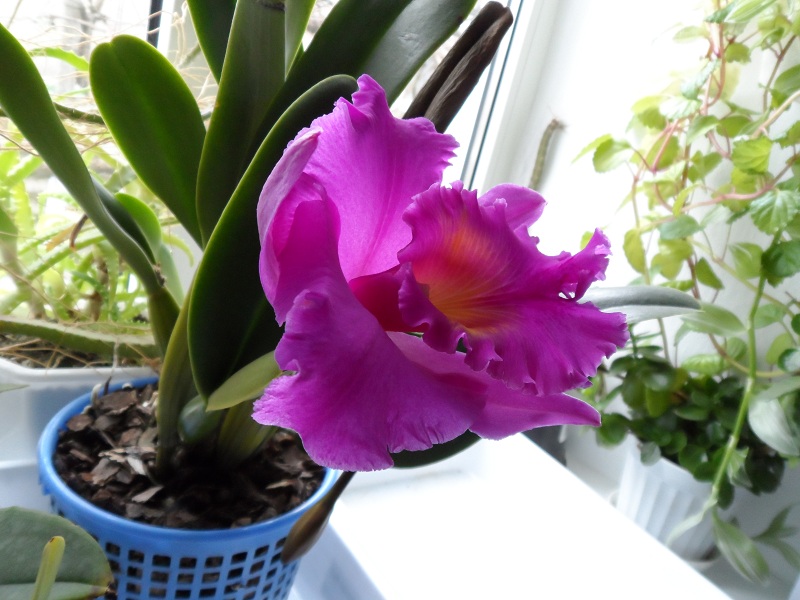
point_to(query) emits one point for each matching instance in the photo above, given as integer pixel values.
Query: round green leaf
(84, 570)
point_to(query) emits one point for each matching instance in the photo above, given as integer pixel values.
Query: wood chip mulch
(107, 454)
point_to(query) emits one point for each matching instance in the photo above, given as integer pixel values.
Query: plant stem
(741, 417)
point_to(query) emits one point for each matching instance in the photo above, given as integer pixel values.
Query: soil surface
(107, 454)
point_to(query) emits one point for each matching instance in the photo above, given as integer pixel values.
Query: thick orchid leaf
(154, 119)
(133, 346)
(175, 389)
(230, 321)
(252, 74)
(419, 30)
(247, 383)
(84, 571)
(342, 45)
(297, 14)
(641, 302)
(150, 226)
(212, 22)
(25, 99)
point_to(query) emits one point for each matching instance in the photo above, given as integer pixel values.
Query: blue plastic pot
(152, 562)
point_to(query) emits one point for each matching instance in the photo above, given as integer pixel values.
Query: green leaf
(691, 33)
(252, 74)
(52, 556)
(650, 453)
(690, 457)
(780, 344)
(222, 346)
(84, 570)
(592, 146)
(247, 383)
(641, 302)
(297, 15)
(77, 62)
(746, 259)
(680, 227)
(212, 22)
(773, 211)
(791, 137)
(634, 250)
(732, 126)
(416, 33)
(610, 154)
(740, 11)
(691, 412)
(768, 419)
(705, 364)
(781, 260)
(195, 423)
(715, 320)
(706, 275)
(671, 256)
(789, 360)
(700, 126)
(737, 52)
(786, 84)
(752, 155)
(703, 164)
(795, 323)
(739, 550)
(767, 314)
(154, 119)
(657, 402)
(613, 429)
(82, 339)
(24, 98)
(692, 88)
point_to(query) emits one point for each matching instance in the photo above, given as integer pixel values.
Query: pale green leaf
(680, 227)
(610, 154)
(714, 319)
(779, 345)
(706, 275)
(769, 421)
(773, 211)
(739, 550)
(746, 259)
(705, 364)
(752, 155)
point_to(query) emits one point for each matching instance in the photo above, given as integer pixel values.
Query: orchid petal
(346, 416)
(371, 165)
(523, 205)
(514, 308)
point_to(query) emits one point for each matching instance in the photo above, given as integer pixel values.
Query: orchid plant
(416, 314)
(365, 253)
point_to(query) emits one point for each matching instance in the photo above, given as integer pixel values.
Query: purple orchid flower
(380, 274)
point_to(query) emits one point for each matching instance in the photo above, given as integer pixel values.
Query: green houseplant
(715, 199)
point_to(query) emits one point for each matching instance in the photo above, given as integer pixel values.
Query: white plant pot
(25, 411)
(660, 497)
